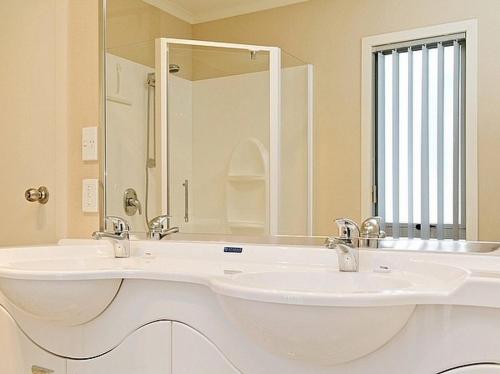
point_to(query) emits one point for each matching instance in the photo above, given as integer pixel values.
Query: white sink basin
(63, 302)
(325, 317)
(275, 295)
(322, 282)
(58, 289)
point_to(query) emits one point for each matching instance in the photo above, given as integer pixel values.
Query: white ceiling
(197, 11)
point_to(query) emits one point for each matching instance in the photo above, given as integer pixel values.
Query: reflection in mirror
(223, 131)
(225, 149)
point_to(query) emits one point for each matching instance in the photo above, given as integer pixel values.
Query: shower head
(173, 68)
(151, 80)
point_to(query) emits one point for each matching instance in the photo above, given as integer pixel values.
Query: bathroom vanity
(207, 307)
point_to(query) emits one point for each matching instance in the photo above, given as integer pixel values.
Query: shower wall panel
(126, 106)
(231, 109)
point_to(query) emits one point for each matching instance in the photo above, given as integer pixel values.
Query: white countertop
(425, 278)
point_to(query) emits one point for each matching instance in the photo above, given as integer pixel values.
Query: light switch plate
(90, 195)
(89, 144)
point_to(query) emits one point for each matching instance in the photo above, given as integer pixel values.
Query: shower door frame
(161, 115)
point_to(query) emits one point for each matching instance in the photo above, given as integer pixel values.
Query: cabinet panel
(146, 351)
(192, 353)
(18, 355)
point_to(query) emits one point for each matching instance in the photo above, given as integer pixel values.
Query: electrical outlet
(89, 144)
(90, 195)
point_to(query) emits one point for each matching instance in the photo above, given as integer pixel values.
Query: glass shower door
(219, 113)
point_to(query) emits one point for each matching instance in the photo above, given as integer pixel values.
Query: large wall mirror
(245, 118)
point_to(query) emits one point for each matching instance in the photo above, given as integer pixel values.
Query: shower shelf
(246, 224)
(247, 181)
(246, 177)
(119, 100)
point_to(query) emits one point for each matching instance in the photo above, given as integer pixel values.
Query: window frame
(368, 109)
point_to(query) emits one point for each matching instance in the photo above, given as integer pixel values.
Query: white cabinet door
(146, 351)
(476, 369)
(18, 355)
(192, 353)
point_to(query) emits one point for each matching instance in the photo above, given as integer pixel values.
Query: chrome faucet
(370, 232)
(118, 234)
(346, 244)
(351, 237)
(159, 227)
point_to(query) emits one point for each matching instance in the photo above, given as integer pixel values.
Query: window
(420, 148)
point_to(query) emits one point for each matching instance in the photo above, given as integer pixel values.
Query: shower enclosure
(226, 144)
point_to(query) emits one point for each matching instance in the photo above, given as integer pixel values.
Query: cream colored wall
(328, 34)
(132, 27)
(83, 108)
(133, 21)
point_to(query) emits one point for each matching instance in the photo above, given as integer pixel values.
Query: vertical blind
(420, 132)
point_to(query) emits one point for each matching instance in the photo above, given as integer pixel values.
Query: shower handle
(131, 203)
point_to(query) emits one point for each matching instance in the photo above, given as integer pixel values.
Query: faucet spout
(351, 237)
(346, 244)
(98, 235)
(348, 257)
(159, 227)
(347, 253)
(171, 230)
(119, 237)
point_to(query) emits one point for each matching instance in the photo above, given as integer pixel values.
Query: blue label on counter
(233, 249)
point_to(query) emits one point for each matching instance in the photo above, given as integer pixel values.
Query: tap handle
(159, 223)
(118, 224)
(371, 228)
(348, 229)
(137, 204)
(133, 202)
